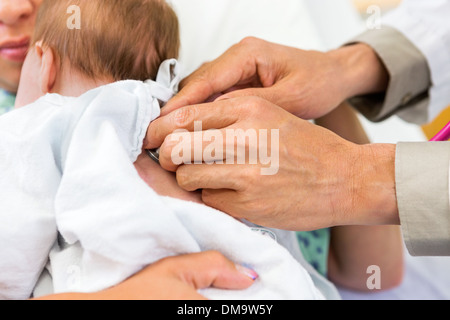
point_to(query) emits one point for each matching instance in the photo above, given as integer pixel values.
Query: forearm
(407, 184)
(75, 296)
(371, 168)
(344, 122)
(354, 249)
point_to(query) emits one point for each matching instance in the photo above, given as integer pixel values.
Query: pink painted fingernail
(247, 272)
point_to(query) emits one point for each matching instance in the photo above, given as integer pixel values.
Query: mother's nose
(12, 11)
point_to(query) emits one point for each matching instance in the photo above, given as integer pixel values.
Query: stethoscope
(154, 155)
(443, 135)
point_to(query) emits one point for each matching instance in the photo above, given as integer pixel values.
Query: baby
(81, 216)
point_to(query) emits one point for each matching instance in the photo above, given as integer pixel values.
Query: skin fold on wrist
(373, 199)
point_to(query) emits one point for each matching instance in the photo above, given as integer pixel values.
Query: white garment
(70, 161)
(37, 149)
(426, 24)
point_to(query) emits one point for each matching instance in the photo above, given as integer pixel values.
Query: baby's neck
(73, 83)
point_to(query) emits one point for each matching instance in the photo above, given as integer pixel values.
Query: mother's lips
(15, 50)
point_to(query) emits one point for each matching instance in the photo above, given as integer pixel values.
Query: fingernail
(247, 272)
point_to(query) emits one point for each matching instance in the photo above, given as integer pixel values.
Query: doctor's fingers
(229, 146)
(238, 205)
(210, 115)
(279, 94)
(217, 176)
(214, 115)
(238, 66)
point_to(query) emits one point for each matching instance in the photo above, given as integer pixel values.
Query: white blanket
(69, 190)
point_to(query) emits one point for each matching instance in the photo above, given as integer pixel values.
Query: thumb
(212, 269)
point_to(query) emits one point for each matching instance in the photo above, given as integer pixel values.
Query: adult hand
(322, 180)
(308, 84)
(175, 278)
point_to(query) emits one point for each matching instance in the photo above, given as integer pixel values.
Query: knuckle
(217, 258)
(250, 41)
(213, 199)
(184, 179)
(260, 103)
(183, 117)
(252, 207)
(168, 158)
(213, 258)
(252, 176)
(165, 151)
(248, 106)
(215, 255)
(208, 198)
(255, 103)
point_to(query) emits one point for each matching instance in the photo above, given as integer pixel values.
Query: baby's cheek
(29, 88)
(161, 181)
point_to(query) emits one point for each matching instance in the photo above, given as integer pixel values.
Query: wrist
(373, 198)
(360, 70)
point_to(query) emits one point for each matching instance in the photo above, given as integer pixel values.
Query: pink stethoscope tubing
(443, 135)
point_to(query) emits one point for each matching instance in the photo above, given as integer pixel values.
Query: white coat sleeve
(426, 25)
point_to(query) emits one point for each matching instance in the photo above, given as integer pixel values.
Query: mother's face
(17, 18)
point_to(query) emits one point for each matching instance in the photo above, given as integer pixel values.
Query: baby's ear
(48, 69)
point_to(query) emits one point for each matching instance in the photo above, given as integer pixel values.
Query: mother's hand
(174, 278)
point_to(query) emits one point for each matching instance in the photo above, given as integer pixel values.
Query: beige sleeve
(410, 78)
(422, 183)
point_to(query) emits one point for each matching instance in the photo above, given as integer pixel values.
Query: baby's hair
(122, 39)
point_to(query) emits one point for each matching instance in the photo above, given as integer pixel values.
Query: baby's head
(116, 40)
